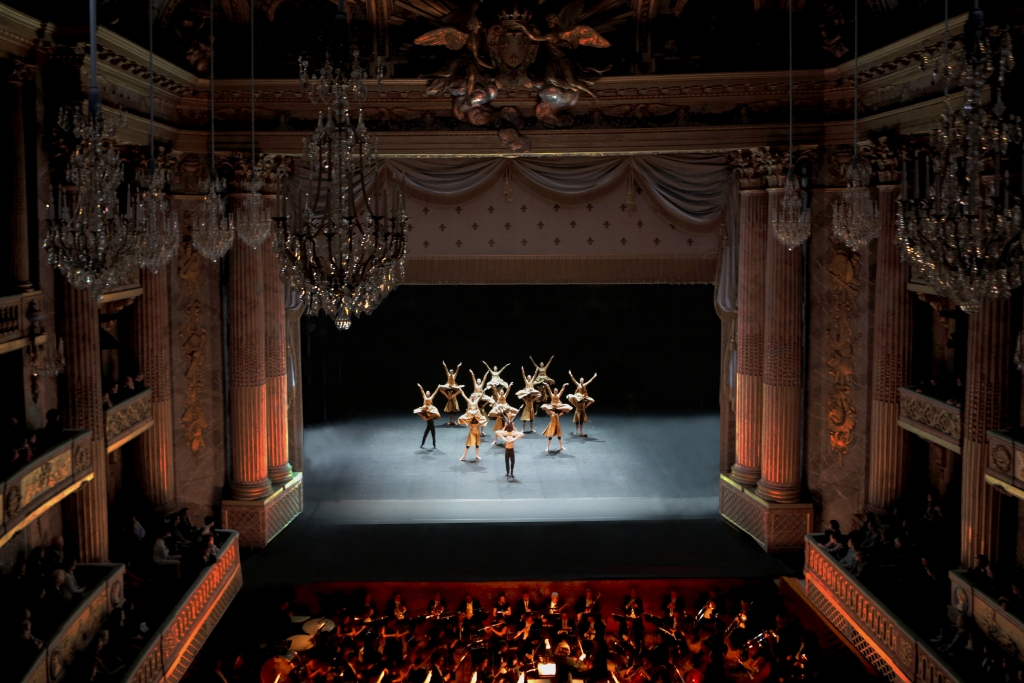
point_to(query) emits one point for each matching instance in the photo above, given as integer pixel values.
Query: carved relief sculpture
(843, 271)
(513, 44)
(193, 345)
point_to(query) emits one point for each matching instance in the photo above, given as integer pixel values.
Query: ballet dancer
(580, 400)
(500, 410)
(528, 396)
(555, 409)
(450, 390)
(540, 376)
(496, 379)
(475, 420)
(510, 434)
(428, 411)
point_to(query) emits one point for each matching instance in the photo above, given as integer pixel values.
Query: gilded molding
(843, 271)
(938, 416)
(126, 415)
(193, 345)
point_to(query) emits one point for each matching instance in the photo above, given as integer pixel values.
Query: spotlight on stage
(547, 669)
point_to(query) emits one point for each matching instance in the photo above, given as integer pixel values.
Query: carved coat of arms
(514, 44)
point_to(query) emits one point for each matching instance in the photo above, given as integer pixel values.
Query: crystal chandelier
(88, 239)
(158, 225)
(963, 236)
(213, 232)
(790, 221)
(253, 220)
(855, 215)
(346, 250)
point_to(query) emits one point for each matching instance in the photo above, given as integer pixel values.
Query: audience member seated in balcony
(70, 582)
(140, 382)
(54, 557)
(162, 556)
(115, 393)
(27, 647)
(850, 558)
(207, 528)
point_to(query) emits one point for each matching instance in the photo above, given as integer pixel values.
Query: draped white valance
(687, 188)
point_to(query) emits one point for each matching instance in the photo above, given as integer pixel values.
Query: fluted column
(890, 448)
(278, 466)
(19, 252)
(780, 407)
(85, 411)
(989, 355)
(294, 351)
(154, 455)
(247, 356)
(750, 335)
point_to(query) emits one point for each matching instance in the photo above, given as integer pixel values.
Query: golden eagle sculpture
(513, 44)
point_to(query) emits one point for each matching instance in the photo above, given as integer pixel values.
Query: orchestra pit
(548, 341)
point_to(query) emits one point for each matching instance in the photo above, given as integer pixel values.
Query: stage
(371, 471)
(637, 498)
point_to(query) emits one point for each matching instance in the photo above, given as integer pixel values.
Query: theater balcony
(127, 419)
(15, 322)
(76, 632)
(172, 647)
(931, 418)
(1005, 467)
(897, 651)
(968, 599)
(49, 478)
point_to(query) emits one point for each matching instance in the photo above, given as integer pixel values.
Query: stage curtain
(685, 187)
(447, 182)
(571, 181)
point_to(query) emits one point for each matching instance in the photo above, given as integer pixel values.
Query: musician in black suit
(591, 628)
(368, 612)
(524, 606)
(631, 622)
(588, 604)
(437, 606)
(469, 608)
(633, 603)
(397, 608)
(564, 625)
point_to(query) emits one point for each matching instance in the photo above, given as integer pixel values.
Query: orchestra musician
(587, 604)
(469, 608)
(501, 608)
(397, 608)
(523, 607)
(436, 607)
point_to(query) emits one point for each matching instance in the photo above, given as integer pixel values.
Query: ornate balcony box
(259, 521)
(878, 634)
(170, 651)
(1005, 466)
(1001, 626)
(44, 482)
(15, 327)
(105, 593)
(931, 418)
(128, 419)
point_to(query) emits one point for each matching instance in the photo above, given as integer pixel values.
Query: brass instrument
(708, 612)
(739, 622)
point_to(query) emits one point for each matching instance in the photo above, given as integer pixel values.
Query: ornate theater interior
(733, 287)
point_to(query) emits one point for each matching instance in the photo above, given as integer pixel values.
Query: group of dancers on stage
(538, 387)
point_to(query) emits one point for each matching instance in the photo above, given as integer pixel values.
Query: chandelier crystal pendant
(963, 234)
(89, 238)
(253, 220)
(158, 224)
(213, 231)
(790, 221)
(345, 248)
(855, 215)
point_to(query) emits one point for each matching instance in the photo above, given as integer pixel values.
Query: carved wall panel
(844, 274)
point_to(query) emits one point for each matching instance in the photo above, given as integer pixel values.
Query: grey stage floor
(371, 471)
(636, 499)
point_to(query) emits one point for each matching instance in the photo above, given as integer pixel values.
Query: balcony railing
(44, 482)
(105, 593)
(1004, 628)
(129, 418)
(1005, 466)
(874, 630)
(15, 327)
(931, 418)
(170, 651)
